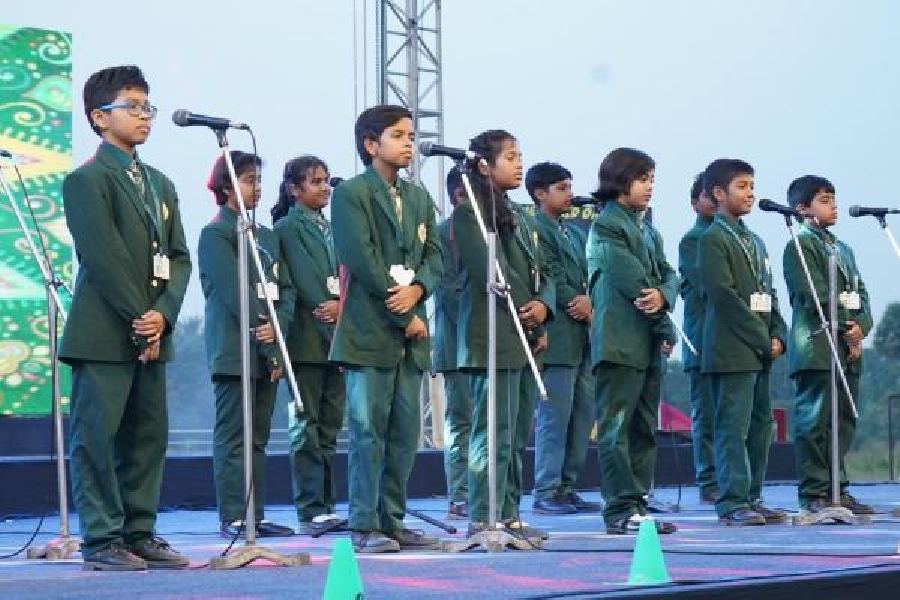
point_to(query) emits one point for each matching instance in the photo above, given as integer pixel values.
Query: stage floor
(579, 557)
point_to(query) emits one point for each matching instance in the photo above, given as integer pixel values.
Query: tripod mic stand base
(493, 540)
(832, 515)
(56, 549)
(244, 555)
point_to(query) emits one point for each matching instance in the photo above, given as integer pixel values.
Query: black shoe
(269, 529)
(323, 524)
(158, 553)
(524, 530)
(631, 525)
(741, 517)
(855, 506)
(114, 558)
(457, 510)
(771, 515)
(582, 505)
(554, 505)
(373, 542)
(412, 539)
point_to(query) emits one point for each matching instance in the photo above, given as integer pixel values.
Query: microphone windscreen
(854, 211)
(181, 117)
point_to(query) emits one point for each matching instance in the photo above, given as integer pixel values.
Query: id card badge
(850, 300)
(760, 302)
(333, 285)
(402, 275)
(161, 266)
(271, 287)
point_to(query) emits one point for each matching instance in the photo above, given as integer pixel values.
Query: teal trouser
(627, 406)
(563, 427)
(702, 421)
(118, 437)
(744, 429)
(521, 433)
(384, 421)
(313, 437)
(812, 432)
(228, 445)
(508, 381)
(457, 428)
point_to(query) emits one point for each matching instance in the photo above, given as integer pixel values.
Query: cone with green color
(343, 581)
(648, 567)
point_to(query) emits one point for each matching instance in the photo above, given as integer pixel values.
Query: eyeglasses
(135, 109)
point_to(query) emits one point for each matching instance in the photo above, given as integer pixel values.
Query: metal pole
(890, 403)
(246, 387)
(52, 325)
(835, 404)
(492, 379)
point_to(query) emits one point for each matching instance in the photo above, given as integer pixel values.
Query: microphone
(432, 149)
(767, 205)
(335, 181)
(866, 211)
(185, 118)
(5, 153)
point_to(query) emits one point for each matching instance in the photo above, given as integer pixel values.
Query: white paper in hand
(402, 275)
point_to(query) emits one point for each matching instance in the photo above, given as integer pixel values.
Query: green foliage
(887, 334)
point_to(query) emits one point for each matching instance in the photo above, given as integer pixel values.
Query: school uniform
(458, 410)
(517, 255)
(565, 421)
(119, 427)
(218, 261)
(624, 255)
(810, 358)
(308, 249)
(702, 411)
(736, 357)
(375, 229)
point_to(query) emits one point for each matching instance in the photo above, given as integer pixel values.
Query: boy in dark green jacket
(702, 410)
(308, 250)
(808, 352)
(743, 332)
(565, 421)
(632, 287)
(458, 411)
(390, 261)
(133, 272)
(217, 256)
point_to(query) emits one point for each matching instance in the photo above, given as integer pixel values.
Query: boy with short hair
(808, 352)
(565, 421)
(743, 332)
(702, 410)
(133, 272)
(390, 261)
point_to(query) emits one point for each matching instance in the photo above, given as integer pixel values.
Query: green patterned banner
(36, 126)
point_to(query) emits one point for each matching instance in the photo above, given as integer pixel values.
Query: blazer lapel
(383, 200)
(127, 186)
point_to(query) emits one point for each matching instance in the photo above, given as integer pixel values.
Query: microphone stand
(494, 538)
(834, 514)
(65, 545)
(882, 220)
(250, 551)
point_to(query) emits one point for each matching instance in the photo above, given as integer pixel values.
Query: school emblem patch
(423, 232)
(165, 211)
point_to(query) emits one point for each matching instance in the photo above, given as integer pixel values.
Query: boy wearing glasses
(133, 271)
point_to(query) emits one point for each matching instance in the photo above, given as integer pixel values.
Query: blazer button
(153, 282)
(155, 245)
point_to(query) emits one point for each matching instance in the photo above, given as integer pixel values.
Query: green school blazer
(735, 339)
(446, 303)
(114, 244)
(368, 240)
(625, 256)
(217, 258)
(691, 293)
(805, 353)
(519, 255)
(310, 260)
(567, 267)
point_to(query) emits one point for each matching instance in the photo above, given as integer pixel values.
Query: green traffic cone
(648, 567)
(343, 581)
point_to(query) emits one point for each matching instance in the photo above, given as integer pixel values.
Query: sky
(793, 87)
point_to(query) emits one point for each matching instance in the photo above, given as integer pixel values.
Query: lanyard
(152, 206)
(754, 264)
(832, 247)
